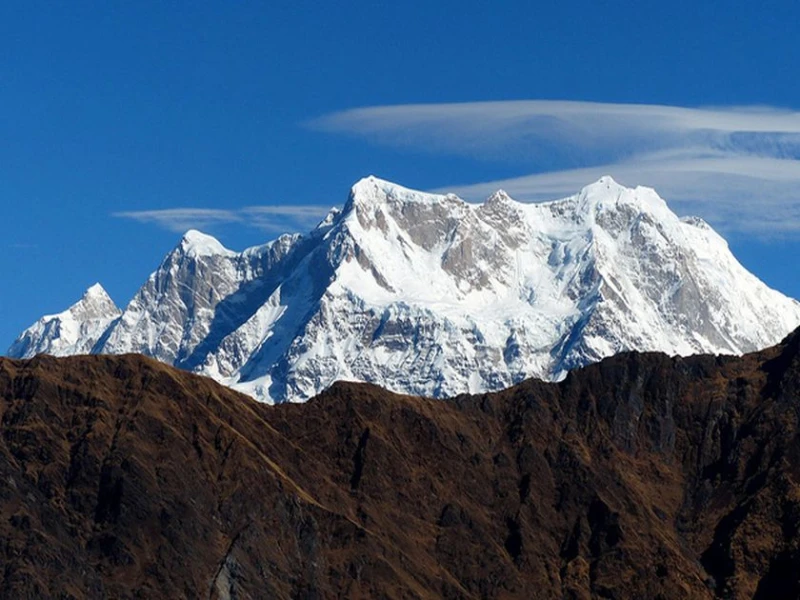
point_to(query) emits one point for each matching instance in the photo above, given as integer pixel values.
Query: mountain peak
(196, 243)
(606, 195)
(95, 291)
(373, 191)
(94, 304)
(73, 331)
(499, 197)
(606, 186)
(371, 188)
(607, 181)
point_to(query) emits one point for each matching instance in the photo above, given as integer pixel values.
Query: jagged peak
(95, 303)
(96, 291)
(500, 196)
(95, 299)
(500, 203)
(196, 243)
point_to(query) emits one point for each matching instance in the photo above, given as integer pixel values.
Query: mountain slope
(427, 294)
(642, 476)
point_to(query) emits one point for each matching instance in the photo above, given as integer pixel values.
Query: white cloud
(181, 219)
(462, 127)
(737, 167)
(276, 218)
(267, 218)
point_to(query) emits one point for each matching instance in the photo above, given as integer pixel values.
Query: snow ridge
(428, 294)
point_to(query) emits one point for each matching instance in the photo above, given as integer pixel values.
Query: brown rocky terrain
(641, 477)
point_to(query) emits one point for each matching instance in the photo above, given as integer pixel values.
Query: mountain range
(643, 476)
(427, 294)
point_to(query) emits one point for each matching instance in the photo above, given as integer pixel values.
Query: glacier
(427, 294)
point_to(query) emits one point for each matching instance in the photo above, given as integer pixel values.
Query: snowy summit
(73, 331)
(428, 294)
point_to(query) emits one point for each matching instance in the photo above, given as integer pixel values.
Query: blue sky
(123, 123)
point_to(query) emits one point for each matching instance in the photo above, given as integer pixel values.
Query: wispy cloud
(274, 218)
(181, 219)
(267, 218)
(737, 167)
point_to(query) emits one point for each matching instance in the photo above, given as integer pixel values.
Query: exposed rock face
(643, 476)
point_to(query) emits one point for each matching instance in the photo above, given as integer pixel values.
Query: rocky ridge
(640, 476)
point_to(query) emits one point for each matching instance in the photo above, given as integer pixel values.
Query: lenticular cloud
(737, 166)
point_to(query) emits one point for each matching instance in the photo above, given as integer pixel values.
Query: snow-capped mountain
(74, 331)
(427, 294)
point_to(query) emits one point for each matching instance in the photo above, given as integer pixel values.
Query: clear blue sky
(124, 107)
